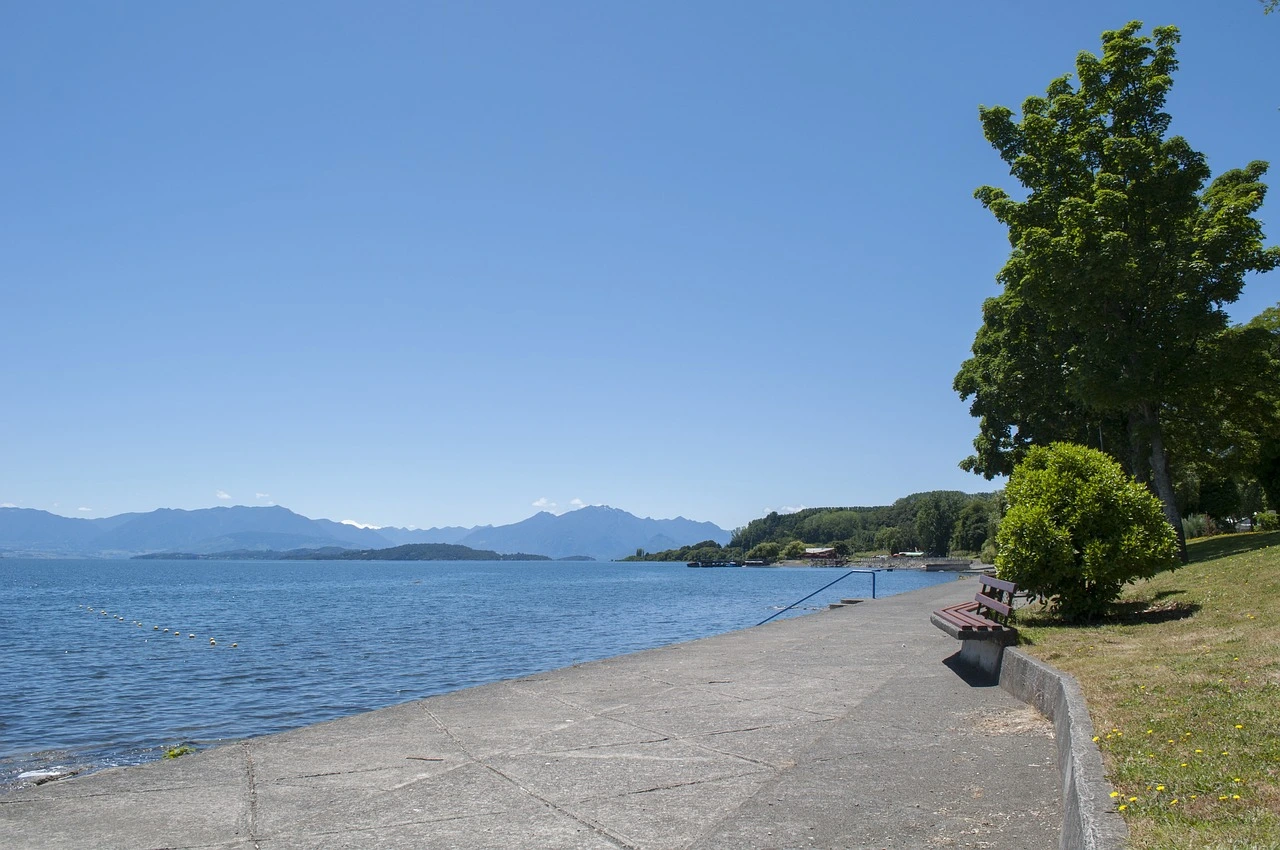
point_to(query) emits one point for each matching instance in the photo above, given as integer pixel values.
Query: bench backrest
(996, 597)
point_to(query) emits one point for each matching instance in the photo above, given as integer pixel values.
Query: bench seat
(984, 617)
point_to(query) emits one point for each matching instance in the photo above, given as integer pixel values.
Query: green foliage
(975, 524)
(178, 752)
(1198, 525)
(1110, 329)
(793, 550)
(895, 539)
(935, 520)
(1078, 529)
(768, 551)
(921, 520)
(703, 551)
(1267, 522)
(931, 521)
(1220, 499)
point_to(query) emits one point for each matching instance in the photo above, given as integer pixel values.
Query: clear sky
(438, 263)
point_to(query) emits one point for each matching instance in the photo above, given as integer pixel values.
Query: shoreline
(790, 734)
(88, 754)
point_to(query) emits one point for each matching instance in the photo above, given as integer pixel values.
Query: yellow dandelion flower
(1184, 764)
(1159, 787)
(1115, 793)
(1199, 751)
(1239, 726)
(1222, 796)
(1096, 739)
(1235, 796)
(1133, 799)
(1173, 802)
(1121, 807)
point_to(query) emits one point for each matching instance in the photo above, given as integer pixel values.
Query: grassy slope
(1184, 691)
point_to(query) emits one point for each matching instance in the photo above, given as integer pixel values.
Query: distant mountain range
(599, 532)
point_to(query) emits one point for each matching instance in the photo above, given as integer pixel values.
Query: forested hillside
(938, 522)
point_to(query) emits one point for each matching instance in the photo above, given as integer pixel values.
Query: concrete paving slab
(841, 729)
(577, 775)
(669, 817)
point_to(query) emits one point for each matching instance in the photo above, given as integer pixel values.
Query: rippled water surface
(321, 639)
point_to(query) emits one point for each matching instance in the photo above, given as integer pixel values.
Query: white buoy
(234, 645)
(212, 642)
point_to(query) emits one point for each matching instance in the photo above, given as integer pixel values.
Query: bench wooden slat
(966, 616)
(998, 584)
(956, 618)
(979, 618)
(994, 604)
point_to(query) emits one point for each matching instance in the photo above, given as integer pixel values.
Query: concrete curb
(1089, 819)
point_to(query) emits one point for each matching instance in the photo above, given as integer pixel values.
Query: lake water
(314, 640)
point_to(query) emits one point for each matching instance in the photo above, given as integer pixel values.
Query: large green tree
(1266, 461)
(1111, 323)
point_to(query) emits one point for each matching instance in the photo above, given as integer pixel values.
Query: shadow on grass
(1133, 612)
(1141, 612)
(1225, 545)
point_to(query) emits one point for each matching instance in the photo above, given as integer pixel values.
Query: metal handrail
(824, 587)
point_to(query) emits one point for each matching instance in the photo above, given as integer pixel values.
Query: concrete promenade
(840, 729)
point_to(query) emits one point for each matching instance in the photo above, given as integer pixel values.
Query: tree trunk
(1160, 477)
(1139, 456)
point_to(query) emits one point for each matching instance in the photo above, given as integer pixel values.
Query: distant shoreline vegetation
(408, 552)
(938, 523)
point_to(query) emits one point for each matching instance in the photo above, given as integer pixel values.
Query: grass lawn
(1183, 686)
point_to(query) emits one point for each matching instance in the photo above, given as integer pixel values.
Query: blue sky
(446, 263)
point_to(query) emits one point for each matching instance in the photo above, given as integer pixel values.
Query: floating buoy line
(156, 628)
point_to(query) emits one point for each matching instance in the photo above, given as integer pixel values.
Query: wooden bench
(982, 625)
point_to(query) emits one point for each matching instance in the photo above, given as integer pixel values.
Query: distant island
(408, 552)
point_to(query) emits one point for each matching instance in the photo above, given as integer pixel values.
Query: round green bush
(1078, 529)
